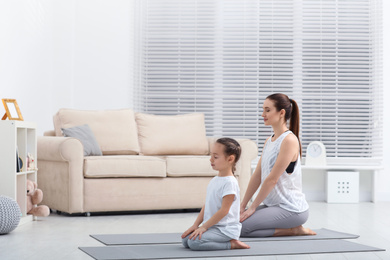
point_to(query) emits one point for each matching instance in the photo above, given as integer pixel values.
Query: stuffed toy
(31, 163)
(35, 196)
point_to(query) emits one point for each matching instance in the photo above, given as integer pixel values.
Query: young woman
(285, 209)
(221, 213)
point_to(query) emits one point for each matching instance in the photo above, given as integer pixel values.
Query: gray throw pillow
(86, 137)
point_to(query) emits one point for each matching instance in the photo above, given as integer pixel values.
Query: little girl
(220, 216)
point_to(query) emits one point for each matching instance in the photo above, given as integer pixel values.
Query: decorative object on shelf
(31, 163)
(9, 214)
(35, 196)
(19, 162)
(12, 111)
(316, 154)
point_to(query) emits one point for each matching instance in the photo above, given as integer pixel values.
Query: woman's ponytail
(294, 122)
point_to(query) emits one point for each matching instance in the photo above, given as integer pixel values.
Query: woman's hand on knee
(198, 232)
(246, 214)
(242, 208)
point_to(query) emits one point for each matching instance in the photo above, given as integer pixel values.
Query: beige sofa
(149, 162)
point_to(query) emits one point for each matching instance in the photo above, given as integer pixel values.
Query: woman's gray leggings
(212, 239)
(266, 219)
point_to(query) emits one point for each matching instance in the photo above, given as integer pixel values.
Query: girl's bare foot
(237, 244)
(301, 231)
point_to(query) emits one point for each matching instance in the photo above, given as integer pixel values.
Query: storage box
(342, 187)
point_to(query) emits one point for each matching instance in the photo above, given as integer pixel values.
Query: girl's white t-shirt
(218, 188)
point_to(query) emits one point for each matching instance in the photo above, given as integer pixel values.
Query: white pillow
(172, 135)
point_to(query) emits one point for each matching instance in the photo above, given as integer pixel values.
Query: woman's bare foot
(237, 244)
(301, 231)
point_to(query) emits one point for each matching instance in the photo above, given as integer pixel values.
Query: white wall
(73, 54)
(25, 57)
(77, 54)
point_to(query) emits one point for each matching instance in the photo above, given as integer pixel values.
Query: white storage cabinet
(21, 136)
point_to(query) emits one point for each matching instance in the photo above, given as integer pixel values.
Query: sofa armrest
(49, 133)
(249, 151)
(59, 148)
(211, 141)
(60, 174)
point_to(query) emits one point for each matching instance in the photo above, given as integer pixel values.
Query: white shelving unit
(352, 168)
(372, 169)
(21, 136)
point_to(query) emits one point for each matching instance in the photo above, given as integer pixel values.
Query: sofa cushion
(115, 130)
(172, 135)
(124, 166)
(179, 166)
(86, 137)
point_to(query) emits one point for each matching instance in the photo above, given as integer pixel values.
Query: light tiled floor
(59, 236)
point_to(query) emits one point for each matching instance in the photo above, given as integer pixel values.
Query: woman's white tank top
(287, 192)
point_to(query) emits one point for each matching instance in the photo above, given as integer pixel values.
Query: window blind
(222, 58)
(339, 78)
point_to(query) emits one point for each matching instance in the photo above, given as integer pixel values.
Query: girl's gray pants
(212, 239)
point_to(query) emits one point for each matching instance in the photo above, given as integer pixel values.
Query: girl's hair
(232, 147)
(282, 101)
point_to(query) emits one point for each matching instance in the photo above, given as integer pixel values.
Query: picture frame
(12, 111)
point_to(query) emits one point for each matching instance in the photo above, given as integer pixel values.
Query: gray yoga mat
(175, 238)
(172, 251)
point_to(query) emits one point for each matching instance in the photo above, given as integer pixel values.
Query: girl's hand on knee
(247, 213)
(189, 231)
(198, 232)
